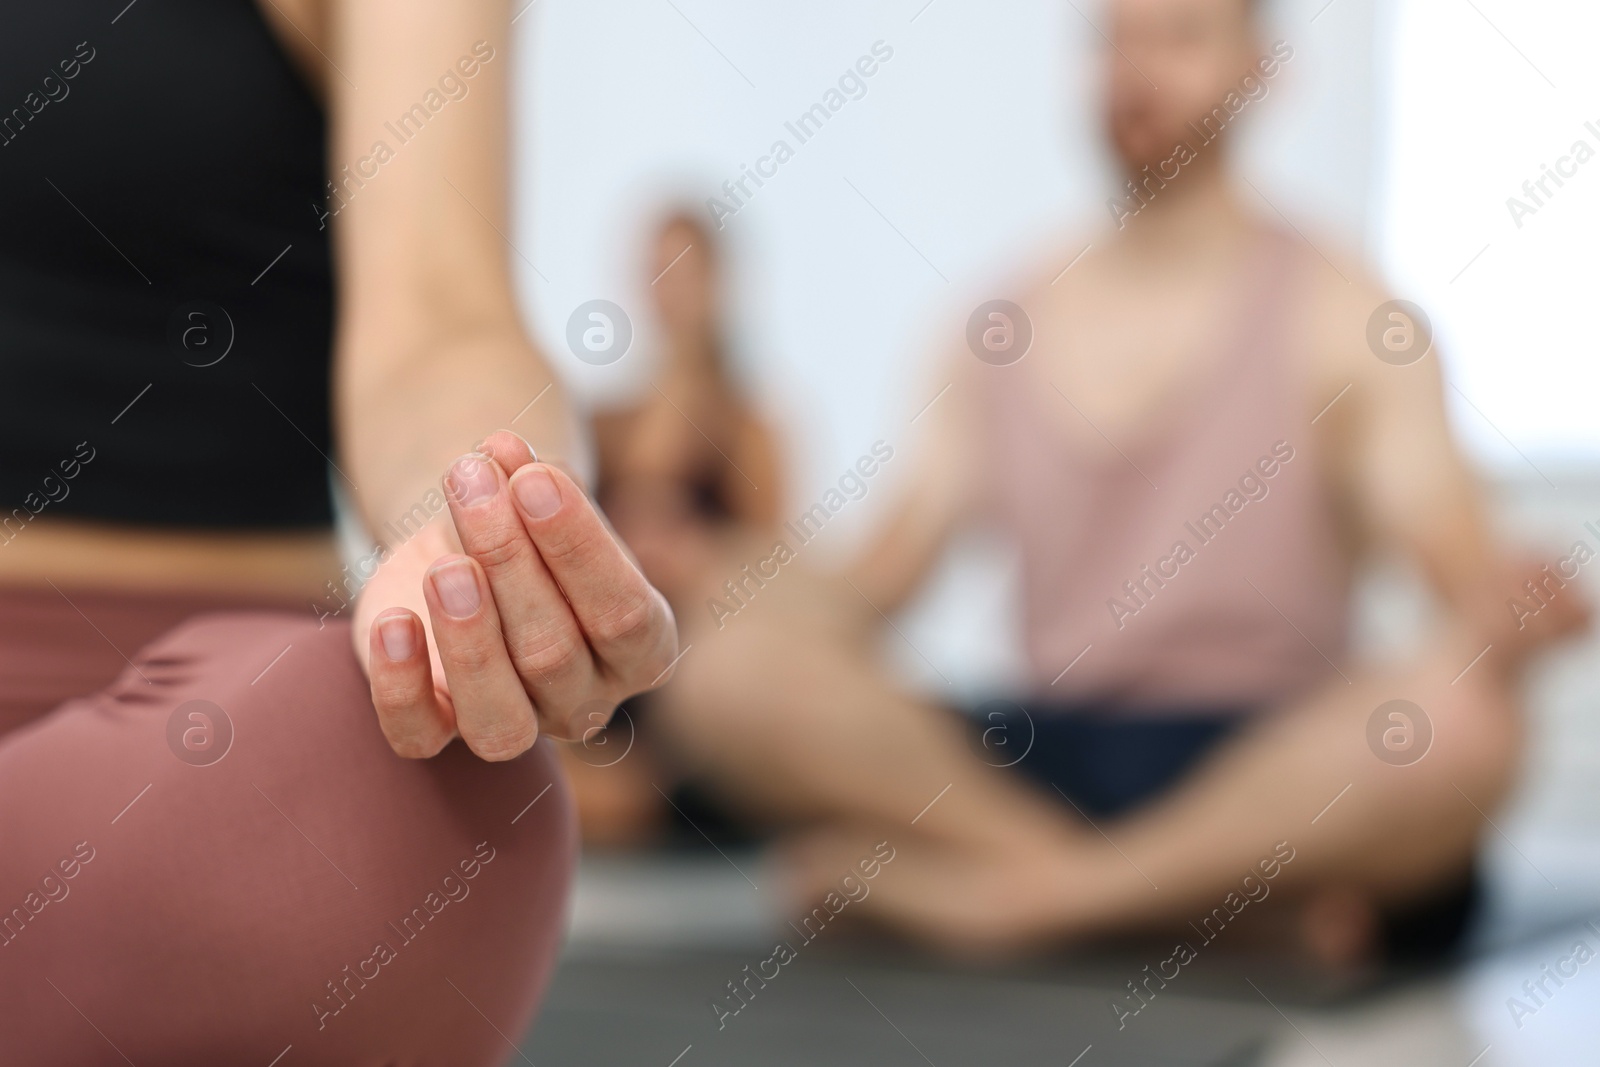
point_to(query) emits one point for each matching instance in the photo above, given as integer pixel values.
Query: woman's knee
(413, 835)
(294, 863)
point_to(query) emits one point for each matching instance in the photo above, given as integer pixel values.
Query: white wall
(975, 139)
(1482, 97)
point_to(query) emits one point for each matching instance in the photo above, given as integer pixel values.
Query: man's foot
(974, 903)
(1339, 929)
(992, 903)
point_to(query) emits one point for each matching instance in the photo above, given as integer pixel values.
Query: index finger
(626, 622)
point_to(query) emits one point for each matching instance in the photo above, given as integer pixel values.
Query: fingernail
(399, 641)
(457, 588)
(536, 492)
(472, 478)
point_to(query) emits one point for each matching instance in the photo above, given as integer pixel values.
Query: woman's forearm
(431, 355)
(402, 427)
(528, 607)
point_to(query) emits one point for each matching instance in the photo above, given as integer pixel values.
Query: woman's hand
(535, 616)
(541, 621)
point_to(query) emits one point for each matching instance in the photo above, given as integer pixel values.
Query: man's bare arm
(941, 493)
(1414, 490)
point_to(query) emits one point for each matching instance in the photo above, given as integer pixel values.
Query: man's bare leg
(784, 713)
(1360, 829)
(797, 728)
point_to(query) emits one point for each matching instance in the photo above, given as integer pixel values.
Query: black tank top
(166, 294)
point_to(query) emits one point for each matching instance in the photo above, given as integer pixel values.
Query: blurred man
(1198, 448)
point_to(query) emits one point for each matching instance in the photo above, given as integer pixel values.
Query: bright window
(1485, 95)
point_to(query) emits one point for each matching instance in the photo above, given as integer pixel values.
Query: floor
(641, 990)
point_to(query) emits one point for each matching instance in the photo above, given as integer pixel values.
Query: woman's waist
(270, 566)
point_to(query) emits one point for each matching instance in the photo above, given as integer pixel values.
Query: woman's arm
(431, 351)
(545, 616)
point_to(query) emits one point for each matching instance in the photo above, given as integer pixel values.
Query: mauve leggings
(309, 895)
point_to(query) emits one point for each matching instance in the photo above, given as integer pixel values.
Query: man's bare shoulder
(1344, 296)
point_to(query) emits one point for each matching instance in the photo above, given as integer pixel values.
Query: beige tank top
(1220, 585)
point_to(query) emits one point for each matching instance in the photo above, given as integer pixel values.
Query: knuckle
(474, 657)
(392, 694)
(508, 741)
(568, 545)
(630, 620)
(410, 731)
(498, 548)
(547, 656)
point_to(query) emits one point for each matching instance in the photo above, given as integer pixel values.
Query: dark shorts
(1100, 761)
(1105, 762)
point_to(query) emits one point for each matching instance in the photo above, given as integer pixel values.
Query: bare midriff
(69, 552)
